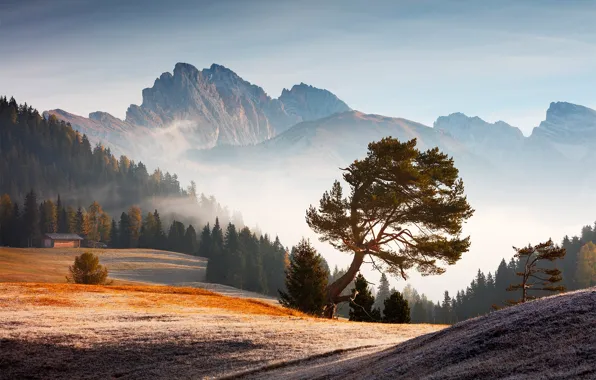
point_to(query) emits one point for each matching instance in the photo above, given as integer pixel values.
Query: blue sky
(415, 59)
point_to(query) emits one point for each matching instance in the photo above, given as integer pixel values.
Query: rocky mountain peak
(311, 103)
(567, 123)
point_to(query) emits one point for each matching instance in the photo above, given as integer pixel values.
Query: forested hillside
(52, 180)
(52, 158)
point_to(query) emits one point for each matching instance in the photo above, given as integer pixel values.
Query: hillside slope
(551, 338)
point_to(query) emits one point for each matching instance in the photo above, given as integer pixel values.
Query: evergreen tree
(71, 220)
(190, 240)
(306, 280)
(396, 309)
(383, 293)
(114, 238)
(159, 238)
(419, 312)
(6, 220)
(205, 242)
(233, 259)
(534, 277)
(148, 234)
(254, 276)
(124, 231)
(430, 217)
(48, 217)
(176, 237)
(215, 266)
(361, 306)
(31, 220)
(446, 309)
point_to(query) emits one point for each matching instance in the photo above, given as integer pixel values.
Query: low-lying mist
(275, 195)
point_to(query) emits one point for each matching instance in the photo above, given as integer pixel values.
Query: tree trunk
(334, 290)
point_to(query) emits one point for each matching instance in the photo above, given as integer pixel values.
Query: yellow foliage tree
(585, 273)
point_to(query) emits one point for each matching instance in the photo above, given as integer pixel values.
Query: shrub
(86, 270)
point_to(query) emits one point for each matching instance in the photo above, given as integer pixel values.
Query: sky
(504, 60)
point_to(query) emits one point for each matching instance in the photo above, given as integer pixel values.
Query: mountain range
(214, 116)
(216, 107)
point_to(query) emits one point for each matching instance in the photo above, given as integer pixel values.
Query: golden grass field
(51, 265)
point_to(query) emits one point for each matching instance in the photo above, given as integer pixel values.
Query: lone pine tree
(405, 209)
(306, 280)
(534, 277)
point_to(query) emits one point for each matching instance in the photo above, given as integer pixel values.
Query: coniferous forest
(52, 180)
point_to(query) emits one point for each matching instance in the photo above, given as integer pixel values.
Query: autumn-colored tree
(534, 277)
(134, 225)
(94, 213)
(585, 273)
(405, 210)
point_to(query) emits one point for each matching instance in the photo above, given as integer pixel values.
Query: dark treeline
(242, 259)
(578, 269)
(23, 225)
(237, 256)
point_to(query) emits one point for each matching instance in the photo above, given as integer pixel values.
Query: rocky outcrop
(311, 103)
(567, 123)
(224, 109)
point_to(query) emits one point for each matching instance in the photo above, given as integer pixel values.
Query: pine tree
(446, 309)
(6, 220)
(215, 266)
(147, 237)
(31, 220)
(396, 309)
(114, 238)
(383, 293)
(124, 231)
(306, 280)
(190, 240)
(205, 242)
(176, 237)
(361, 306)
(159, 239)
(254, 276)
(534, 277)
(233, 259)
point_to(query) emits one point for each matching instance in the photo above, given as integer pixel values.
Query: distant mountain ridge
(216, 107)
(213, 114)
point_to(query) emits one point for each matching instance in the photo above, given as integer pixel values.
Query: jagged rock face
(224, 109)
(310, 103)
(567, 123)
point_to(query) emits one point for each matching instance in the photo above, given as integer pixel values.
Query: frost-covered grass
(551, 338)
(72, 331)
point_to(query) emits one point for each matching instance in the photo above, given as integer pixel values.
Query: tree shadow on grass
(37, 360)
